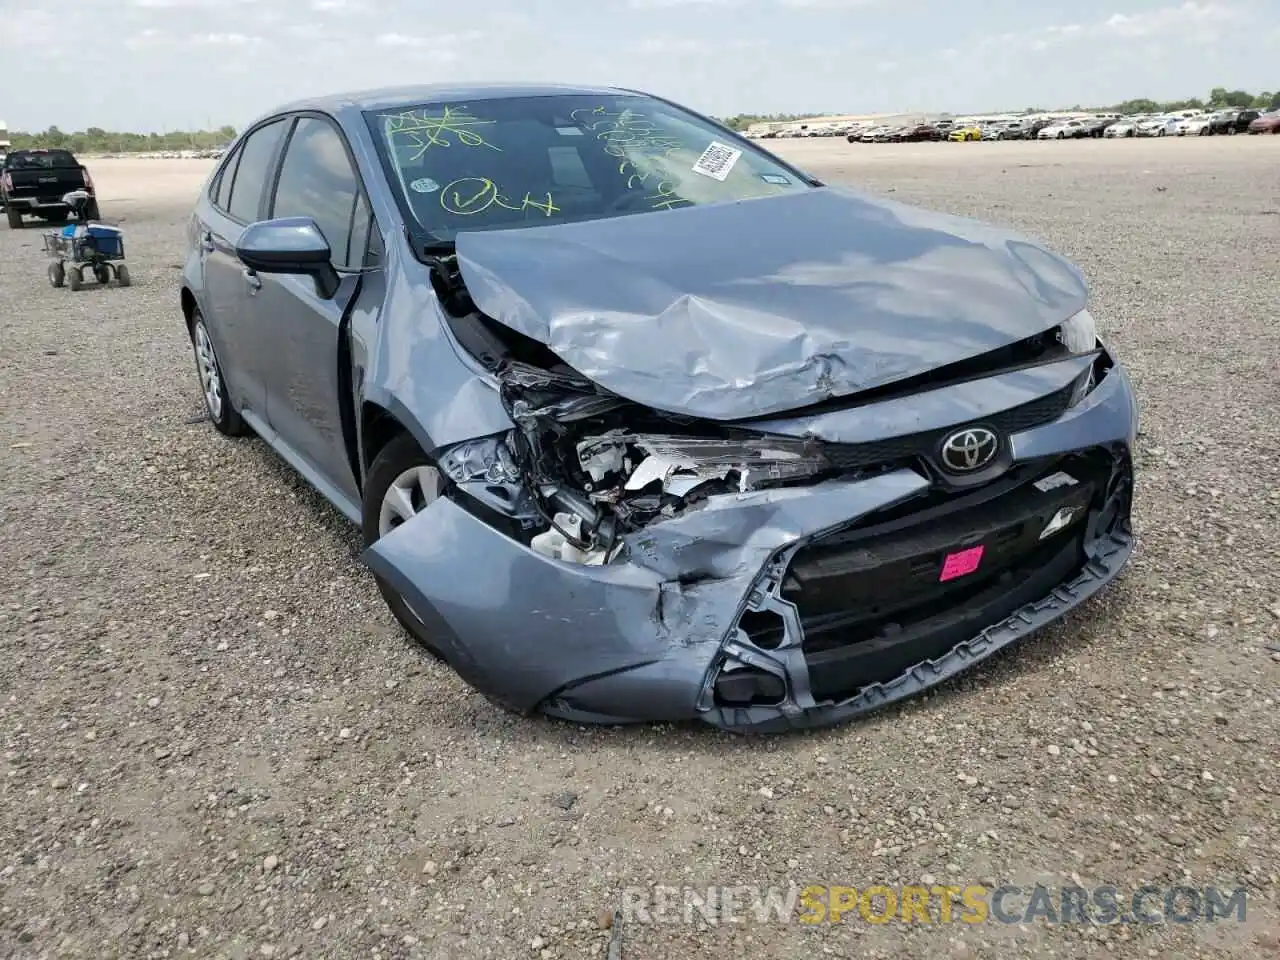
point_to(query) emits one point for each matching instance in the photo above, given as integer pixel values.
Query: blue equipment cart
(81, 245)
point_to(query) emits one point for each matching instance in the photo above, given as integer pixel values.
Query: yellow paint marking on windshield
(666, 198)
(468, 196)
(421, 131)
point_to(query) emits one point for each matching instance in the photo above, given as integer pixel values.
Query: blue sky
(165, 64)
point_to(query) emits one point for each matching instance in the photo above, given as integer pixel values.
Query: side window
(221, 191)
(251, 172)
(318, 181)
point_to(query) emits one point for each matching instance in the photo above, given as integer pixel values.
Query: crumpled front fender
(526, 628)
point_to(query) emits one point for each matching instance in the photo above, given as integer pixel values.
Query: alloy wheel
(409, 494)
(210, 376)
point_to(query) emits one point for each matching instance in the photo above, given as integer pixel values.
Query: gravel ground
(217, 743)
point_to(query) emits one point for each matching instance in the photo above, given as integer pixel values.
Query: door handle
(206, 241)
(252, 279)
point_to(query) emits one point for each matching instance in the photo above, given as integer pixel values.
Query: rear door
(237, 198)
(302, 331)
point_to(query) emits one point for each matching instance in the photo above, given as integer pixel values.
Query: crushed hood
(761, 306)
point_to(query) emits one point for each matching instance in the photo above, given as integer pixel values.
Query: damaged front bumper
(731, 614)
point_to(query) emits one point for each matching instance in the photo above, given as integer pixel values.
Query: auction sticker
(424, 185)
(717, 160)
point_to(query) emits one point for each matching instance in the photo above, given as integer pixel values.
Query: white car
(1062, 130)
(1160, 127)
(1193, 126)
(1125, 128)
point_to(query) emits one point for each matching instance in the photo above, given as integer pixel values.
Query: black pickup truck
(33, 183)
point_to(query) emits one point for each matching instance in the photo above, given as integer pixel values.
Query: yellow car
(960, 134)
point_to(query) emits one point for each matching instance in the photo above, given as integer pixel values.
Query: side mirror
(291, 245)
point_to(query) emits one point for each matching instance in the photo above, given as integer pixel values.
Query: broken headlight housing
(1079, 334)
(624, 481)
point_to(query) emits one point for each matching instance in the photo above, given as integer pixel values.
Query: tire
(213, 385)
(14, 217)
(122, 275)
(102, 275)
(91, 212)
(74, 280)
(393, 462)
(57, 274)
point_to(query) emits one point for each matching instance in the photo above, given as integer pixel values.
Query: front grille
(857, 456)
(871, 598)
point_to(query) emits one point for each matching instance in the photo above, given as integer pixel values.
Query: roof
(390, 97)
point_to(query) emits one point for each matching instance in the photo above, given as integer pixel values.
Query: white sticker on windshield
(569, 131)
(775, 178)
(424, 185)
(717, 160)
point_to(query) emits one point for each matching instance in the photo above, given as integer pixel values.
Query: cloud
(681, 46)
(663, 4)
(827, 4)
(1188, 19)
(227, 39)
(444, 47)
(1166, 20)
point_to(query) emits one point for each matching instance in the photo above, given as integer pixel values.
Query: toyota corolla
(641, 422)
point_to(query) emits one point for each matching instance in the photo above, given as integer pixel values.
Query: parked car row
(1103, 125)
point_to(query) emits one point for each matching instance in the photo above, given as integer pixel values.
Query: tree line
(97, 140)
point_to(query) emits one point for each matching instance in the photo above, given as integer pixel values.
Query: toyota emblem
(969, 449)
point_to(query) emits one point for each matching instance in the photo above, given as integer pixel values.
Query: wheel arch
(378, 427)
(189, 305)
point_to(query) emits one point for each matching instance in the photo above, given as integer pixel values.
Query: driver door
(303, 331)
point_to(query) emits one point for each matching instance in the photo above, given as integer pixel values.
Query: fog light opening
(764, 628)
(747, 686)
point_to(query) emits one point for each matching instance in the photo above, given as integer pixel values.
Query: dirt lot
(217, 743)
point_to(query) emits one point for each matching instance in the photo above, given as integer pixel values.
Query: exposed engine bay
(584, 466)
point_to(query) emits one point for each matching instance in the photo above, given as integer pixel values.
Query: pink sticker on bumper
(961, 562)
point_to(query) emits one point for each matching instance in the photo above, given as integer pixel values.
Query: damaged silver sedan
(641, 422)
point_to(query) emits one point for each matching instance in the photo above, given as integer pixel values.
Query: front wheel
(212, 384)
(122, 275)
(402, 482)
(75, 279)
(57, 274)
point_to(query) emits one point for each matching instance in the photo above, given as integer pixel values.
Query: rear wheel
(122, 275)
(91, 211)
(74, 278)
(402, 482)
(14, 217)
(102, 275)
(57, 274)
(216, 400)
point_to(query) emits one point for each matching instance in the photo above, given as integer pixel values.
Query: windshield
(535, 160)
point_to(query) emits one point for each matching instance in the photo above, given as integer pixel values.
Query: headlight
(1079, 334)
